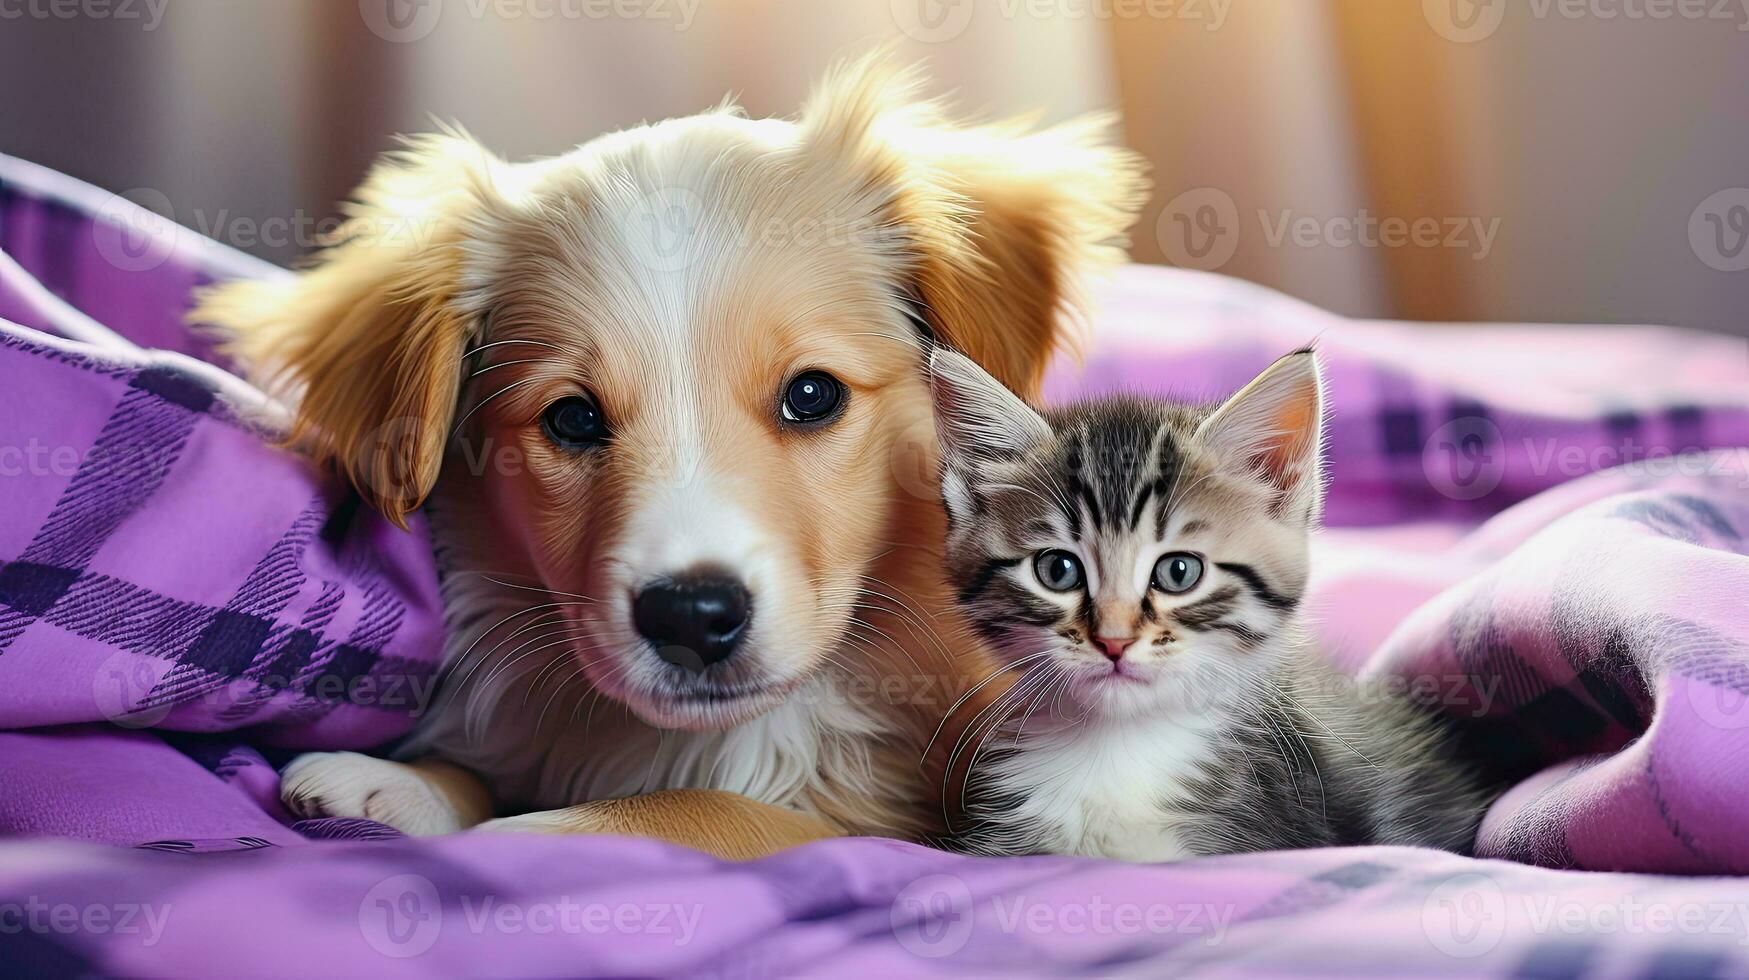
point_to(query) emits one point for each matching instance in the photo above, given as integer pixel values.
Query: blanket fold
(163, 566)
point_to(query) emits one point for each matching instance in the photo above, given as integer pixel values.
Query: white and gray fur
(1219, 729)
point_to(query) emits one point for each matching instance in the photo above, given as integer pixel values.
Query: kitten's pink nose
(1114, 646)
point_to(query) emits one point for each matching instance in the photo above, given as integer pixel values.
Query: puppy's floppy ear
(978, 422)
(999, 219)
(1275, 426)
(369, 341)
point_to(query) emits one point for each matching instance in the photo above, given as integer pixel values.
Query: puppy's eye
(812, 397)
(1058, 571)
(574, 423)
(1177, 572)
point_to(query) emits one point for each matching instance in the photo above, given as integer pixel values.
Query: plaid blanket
(1530, 530)
(162, 566)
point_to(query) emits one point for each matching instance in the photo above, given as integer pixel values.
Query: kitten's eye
(1177, 572)
(811, 397)
(1059, 571)
(574, 423)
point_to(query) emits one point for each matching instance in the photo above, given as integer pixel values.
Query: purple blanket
(1539, 531)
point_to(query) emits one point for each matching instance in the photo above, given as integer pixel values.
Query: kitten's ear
(1275, 424)
(977, 421)
(976, 417)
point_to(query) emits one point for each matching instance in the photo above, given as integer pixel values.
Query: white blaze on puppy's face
(680, 282)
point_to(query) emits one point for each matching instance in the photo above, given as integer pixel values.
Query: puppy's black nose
(694, 619)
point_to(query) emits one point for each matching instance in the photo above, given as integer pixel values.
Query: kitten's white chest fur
(1103, 787)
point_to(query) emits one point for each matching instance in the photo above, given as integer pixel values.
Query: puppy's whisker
(499, 364)
(564, 638)
(554, 617)
(482, 404)
(545, 588)
(545, 620)
(998, 672)
(501, 343)
(972, 732)
(523, 651)
(1018, 702)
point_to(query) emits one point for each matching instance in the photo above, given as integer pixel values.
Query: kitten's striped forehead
(1119, 464)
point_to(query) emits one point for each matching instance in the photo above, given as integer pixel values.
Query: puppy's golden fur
(679, 275)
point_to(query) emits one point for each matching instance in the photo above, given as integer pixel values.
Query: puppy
(662, 400)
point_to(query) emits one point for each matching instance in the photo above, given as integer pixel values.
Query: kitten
(1140, 566)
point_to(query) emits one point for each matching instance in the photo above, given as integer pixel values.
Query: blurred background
(1556, 160)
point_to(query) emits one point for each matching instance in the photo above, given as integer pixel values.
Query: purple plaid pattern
(1553, 539)
(127, 464)
(1611, 632)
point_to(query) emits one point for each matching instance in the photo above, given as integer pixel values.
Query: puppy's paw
(346, 784)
